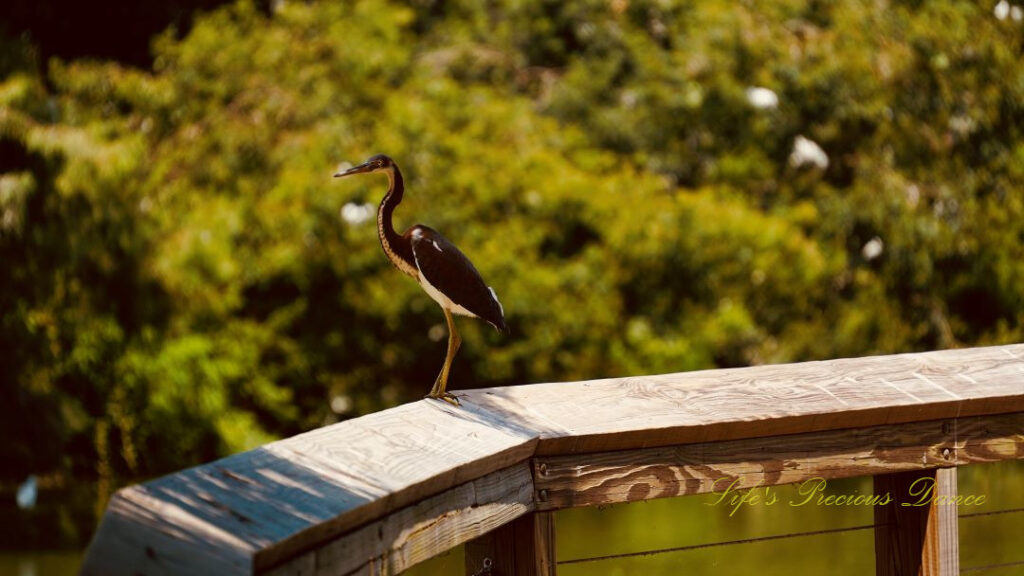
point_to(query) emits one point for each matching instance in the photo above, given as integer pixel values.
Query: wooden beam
(760, 401)
(416, 533)
(253, 510)
(628, 476)
(917, 529)
(544, 537)
(941, 555)
(525, 547)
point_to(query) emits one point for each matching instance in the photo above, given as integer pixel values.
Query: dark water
(66, 516)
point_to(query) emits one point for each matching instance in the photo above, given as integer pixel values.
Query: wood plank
(254, 509)
(917, 539)
(419, 532)
(492, 553)
(646, 411)
(524, 547)
(427, 447)
(175, 542)
(544, 537)
(628, 476)
(941, 555)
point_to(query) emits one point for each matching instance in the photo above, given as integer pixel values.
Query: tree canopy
(649, 186)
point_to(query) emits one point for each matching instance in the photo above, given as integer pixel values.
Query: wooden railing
(381, 493)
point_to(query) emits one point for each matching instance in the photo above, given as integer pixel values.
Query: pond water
(986, 539)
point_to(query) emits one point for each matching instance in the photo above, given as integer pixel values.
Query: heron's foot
(446, 396)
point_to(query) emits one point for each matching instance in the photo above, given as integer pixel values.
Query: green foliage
(179, 285)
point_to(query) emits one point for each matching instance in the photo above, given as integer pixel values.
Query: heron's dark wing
(451, 273)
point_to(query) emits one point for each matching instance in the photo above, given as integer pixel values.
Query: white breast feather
(444, 301)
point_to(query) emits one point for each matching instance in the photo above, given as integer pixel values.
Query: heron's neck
(397, 248)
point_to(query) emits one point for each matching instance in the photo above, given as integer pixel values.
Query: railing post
(917, 529)
(523, 547)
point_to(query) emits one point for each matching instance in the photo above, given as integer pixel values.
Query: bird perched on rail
(441, 269)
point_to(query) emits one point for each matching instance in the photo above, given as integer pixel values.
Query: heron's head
(376, 163)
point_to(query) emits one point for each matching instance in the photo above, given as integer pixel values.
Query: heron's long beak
(362, 168)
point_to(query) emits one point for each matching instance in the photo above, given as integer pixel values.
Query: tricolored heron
(442, 270)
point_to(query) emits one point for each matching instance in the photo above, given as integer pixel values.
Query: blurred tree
(649, 187)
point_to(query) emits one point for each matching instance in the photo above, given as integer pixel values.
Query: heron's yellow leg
(454, 341)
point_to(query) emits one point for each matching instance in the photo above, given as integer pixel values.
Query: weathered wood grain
(544, 543)
(422, 449)
(148, 536)
(645, 411)
(941, 554)
(257, 508)
(915, 539)
(628, 476)
(525, 547)
(316, 492)
(421, 531)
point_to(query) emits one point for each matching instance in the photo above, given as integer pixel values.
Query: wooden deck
(380, 493)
